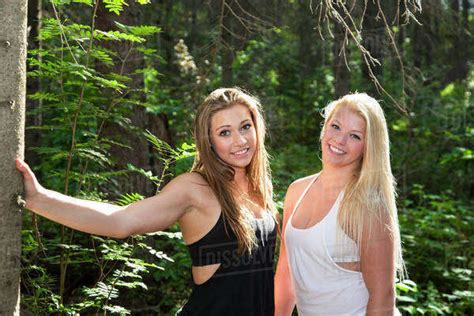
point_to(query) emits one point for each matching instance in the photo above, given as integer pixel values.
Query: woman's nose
(341, 139)
(240, 139)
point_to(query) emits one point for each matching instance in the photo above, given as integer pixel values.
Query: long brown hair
(220, 175)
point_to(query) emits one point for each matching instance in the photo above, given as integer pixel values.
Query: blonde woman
(340, 246)
(223, 206)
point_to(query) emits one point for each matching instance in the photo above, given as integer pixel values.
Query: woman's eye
(224, 133)
(335, 126)
(247, 126)
(354, 136)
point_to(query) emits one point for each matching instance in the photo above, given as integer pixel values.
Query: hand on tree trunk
(31, 184)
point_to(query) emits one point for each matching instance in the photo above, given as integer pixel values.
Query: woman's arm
(284, 292)
(378, 268)
(149, 215)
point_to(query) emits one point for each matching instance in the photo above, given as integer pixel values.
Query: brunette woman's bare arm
(284, 292)
(149, 215)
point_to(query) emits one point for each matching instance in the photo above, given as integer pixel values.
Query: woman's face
(233, 136)
(343, 140)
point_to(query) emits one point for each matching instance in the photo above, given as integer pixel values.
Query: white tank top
(321, 286)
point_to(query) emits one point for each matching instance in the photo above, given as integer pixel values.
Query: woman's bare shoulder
(300, 184)
(189, 182)
(195, 187)
(295, 190)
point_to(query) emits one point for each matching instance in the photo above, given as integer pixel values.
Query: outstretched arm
(149, 215)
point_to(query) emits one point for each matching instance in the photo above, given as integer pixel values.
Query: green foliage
(77, 99)
(293, 162)
(83, 88)
(437, 235)
(269, 66)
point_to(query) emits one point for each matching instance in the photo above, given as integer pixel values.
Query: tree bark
(307, 41)
(33, 136)
(227, 47)
(341, 54)
(374, 40)
(13, 15)
(140, 152)
(459, 56)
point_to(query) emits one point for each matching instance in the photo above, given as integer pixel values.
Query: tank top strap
(304, 193)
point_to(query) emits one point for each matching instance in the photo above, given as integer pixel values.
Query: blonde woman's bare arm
(378, 269)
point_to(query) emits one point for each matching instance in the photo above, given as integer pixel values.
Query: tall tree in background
(341, 56)
(237, 21)
(12, 109)
(374, 40)
(458, 61)
(307, 42)
(33, 136)
(128, 61)
(225, 24)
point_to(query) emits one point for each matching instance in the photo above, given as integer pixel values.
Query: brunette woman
(224, 208)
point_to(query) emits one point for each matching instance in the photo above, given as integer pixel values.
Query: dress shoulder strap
(304, 193)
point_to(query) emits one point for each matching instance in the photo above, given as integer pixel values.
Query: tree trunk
(226, 44)
(307, 41)
(459, 56)
(278, 8)
(139, 154)
(375, 41)
(341, 54)
(33, 136)
(12, 116)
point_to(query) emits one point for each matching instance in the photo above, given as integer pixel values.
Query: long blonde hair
(220, 175)
(370, 195)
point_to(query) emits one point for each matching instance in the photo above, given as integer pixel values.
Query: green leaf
(129, 198)
(435, 308)
(111, 84)
(447, 91)
(117, 36)
(400, 125)
(407, 286)
(44, 96)
(94, 155)
(148, 174)
(146, 51)
(115, 6)
(103, 56)
(87, 2)
(103, 291)
(131, 285)
(145, 30)
(49, 29)
(116, 309)
(406, 299)
(464, 294)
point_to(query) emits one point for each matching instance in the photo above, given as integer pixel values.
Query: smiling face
(343, 140)
(233, 136)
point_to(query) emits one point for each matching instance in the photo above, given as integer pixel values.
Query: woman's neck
(336, 178)
(241, 180)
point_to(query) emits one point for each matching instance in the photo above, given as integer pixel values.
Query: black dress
(243, 284)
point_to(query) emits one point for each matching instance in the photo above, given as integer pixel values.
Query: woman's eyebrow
(352, 130)
(228, 125)
(219, 127)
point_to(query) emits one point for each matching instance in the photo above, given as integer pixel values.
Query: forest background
(113, 86)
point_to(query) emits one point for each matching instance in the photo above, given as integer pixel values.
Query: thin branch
(343, 13)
